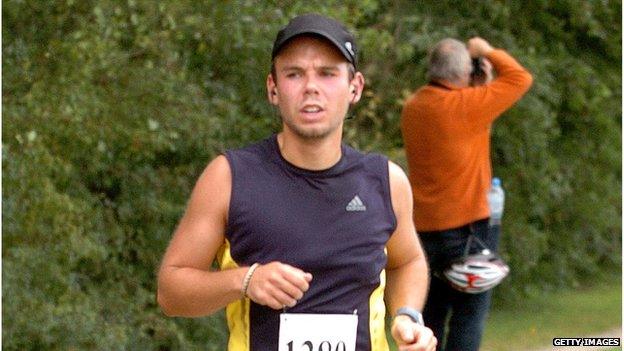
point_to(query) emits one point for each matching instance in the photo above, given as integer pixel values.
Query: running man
(307, 231)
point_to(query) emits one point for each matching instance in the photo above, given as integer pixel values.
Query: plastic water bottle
(496, 201)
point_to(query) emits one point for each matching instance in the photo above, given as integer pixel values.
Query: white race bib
(317, 332)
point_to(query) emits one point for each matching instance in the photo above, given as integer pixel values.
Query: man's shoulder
(433, 88)
(258, 149)
(371, 162)
(354, 153)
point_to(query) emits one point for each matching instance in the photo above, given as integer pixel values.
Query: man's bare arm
(407, 272)
(186, 284)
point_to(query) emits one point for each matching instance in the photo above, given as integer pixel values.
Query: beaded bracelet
(247, 278)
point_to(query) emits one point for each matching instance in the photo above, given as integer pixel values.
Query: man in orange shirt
(446, 129)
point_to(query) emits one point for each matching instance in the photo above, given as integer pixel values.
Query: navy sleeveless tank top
(332, 223)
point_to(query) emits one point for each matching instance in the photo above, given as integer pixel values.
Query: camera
(477, 76)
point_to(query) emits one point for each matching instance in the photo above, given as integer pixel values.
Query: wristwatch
(412, 313)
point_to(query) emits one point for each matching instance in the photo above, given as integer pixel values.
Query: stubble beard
(311, 133)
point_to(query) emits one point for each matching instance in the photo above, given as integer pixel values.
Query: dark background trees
(111, 109)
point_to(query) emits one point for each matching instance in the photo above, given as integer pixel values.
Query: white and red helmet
(476, 273)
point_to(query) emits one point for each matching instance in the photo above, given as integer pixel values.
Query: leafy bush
(112, 109)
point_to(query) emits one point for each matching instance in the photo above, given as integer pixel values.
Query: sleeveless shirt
(332, 223)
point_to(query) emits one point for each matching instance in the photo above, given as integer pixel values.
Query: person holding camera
(446, 127)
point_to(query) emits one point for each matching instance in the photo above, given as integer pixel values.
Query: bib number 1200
(323, 346)
(317, 332)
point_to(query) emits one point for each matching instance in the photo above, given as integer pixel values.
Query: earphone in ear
(354, 95)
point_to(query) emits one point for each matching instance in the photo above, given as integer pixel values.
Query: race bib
(317, 332)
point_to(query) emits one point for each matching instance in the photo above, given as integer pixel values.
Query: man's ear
(272, 90)
(356, 86)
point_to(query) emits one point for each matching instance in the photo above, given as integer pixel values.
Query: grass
(534, 323)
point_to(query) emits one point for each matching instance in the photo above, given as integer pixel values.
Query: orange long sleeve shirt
(446, 130)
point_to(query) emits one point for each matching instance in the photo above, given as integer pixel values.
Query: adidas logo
(356, 205)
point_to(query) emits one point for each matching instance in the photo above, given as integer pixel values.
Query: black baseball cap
(325, 27)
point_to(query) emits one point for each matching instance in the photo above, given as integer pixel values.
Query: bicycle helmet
(476, 273)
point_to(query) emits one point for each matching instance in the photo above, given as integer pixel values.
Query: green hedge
(112, 109)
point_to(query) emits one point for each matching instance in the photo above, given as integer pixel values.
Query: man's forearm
(508, 69)
(191, 292)
(407, 285)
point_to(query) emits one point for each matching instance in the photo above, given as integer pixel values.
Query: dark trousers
(457, 319)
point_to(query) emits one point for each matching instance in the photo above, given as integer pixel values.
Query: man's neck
(311, 154)
(455, 84)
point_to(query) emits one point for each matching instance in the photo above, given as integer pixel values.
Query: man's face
(312, 87)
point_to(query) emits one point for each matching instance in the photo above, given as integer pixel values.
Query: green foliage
(112, 109)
